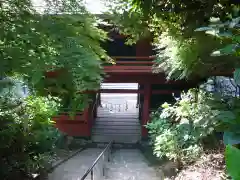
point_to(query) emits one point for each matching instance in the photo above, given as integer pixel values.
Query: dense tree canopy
(64, 36)
(182, 52)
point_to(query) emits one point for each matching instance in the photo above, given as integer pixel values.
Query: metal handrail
(94, 104)
(90, 170)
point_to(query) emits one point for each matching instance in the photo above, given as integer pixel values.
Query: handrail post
(103, 166)
(109, 153)
(101, 158)
(92, 174)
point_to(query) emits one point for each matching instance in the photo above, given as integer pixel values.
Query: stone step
(130, 108)
(116, 131)
(124, 138)
(119, 110)
(117, 114)
(123, 116)
(112, 132)
(116, 110)
(132, 176)
(130, 165)
(115, 146)
(122, 124)
(109, 134)
(116, 119)
(116, 127)
(138, 166)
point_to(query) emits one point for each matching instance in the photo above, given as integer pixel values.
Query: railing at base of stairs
(99, 164)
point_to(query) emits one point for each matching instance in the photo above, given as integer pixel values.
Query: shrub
(178, 131)
(232, 157)
(27, 137)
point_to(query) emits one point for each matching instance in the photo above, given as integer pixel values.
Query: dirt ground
(210, 166)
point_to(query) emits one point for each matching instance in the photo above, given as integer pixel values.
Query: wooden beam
(134, 57)
(130, 91)
(150, 63)
(125, 91)
(165, 91)
(142, 78)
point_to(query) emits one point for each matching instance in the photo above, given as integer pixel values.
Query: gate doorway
(118, 115)
(119, 102)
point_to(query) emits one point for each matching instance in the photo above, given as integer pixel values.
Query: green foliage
(180, 57)
(183, 53)
(228, 30)
(232, 161)
(64, 37)
(32, 43)
(236, 76)
(191, 10)
(130, 25)
(230, 122)
(187, 55)
(39, 112)
(27, 135)
(179, 130)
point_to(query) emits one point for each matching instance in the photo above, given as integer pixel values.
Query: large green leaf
(226, 116)
(236, 76)
(236, 38)
(204, 29)
(227, 50)
(232, 161)
(225, 35)
(231, 138)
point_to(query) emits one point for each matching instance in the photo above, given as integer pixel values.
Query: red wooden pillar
(88, 119)
(144, 47)
(146, 107)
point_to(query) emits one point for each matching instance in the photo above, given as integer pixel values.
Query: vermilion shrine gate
(133, 65)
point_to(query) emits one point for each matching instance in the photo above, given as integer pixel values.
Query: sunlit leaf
(227, 50)
(214, 32)
(232, 161)
(216, 53)
(205, 29)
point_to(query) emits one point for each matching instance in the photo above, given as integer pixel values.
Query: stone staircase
(125, 164)
(121, 124)
(122, 127)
